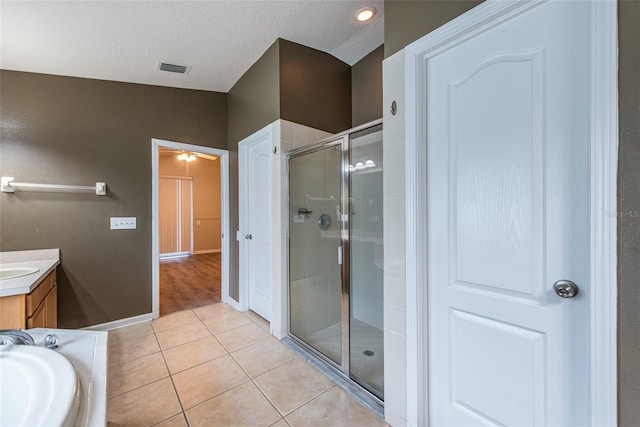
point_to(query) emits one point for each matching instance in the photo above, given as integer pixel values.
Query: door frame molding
(603, 186)
(156, 144)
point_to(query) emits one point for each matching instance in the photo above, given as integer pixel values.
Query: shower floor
(364, 338)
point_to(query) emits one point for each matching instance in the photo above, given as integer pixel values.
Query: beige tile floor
(214, 366)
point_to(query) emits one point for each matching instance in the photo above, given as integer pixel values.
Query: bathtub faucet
(14, 336)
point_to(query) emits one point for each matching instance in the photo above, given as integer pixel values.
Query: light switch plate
(123, 222)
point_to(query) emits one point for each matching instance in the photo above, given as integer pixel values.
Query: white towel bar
(8, 185)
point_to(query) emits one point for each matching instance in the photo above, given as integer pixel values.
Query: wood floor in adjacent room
(189, 282)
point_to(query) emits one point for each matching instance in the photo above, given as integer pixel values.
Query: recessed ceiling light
(366, 14)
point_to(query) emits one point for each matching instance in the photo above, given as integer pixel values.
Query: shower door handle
(340, 248)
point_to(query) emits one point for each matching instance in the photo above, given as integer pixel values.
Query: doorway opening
(190, 210)
(189, 214)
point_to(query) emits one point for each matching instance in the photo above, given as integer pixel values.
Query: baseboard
(121, 323)
(174, 255)
(207, 251)
(233, 303)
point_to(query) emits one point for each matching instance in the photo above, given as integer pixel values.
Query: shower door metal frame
(342, 140)
(346, 255)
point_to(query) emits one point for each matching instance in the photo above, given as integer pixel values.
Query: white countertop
(87, 352)
(45, 260)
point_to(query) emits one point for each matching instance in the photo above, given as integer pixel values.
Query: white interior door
(508, 216)
(257, 216)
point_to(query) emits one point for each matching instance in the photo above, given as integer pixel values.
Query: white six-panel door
(507, 121)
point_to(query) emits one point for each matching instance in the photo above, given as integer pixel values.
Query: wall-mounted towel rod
(321, 199)
(8, 185)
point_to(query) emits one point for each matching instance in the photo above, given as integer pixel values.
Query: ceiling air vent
(173, 68)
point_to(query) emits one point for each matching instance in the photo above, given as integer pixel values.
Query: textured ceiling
(219, 40)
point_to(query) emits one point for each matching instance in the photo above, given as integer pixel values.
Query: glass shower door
(366, 259)
(336, 254)
(315, 277)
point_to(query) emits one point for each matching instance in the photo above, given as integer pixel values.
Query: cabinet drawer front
(35, 298)
(51, 309)
(38, 320)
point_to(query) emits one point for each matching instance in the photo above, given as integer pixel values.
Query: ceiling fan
(187, 156)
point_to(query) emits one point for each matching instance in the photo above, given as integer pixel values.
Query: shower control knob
(248, 236)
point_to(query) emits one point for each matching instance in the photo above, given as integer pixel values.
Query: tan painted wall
(290, 82)
(629, 215)
(67, 130)
(366, 88)
(405, 21)
(315, 88)
(253, 103)
(206, 205)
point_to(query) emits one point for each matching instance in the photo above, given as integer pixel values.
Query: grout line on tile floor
(297, 407)
(281, 419)
(238, 363)
(225, 331)
(172, 384)
(311, 399)
(314, 398)
(178, 345)
(168, 418)
(197, 364)
(213, 397)
(135, 388)
(237, 349)
(267, 397)
(131, 360)
(263, 393)
(256, 385)
(184, 416)
(138, 335)
(363, 397)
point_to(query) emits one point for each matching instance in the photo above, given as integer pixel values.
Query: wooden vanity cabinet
(39, 309)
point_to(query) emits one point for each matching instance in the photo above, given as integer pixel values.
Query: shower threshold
(357, 391)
